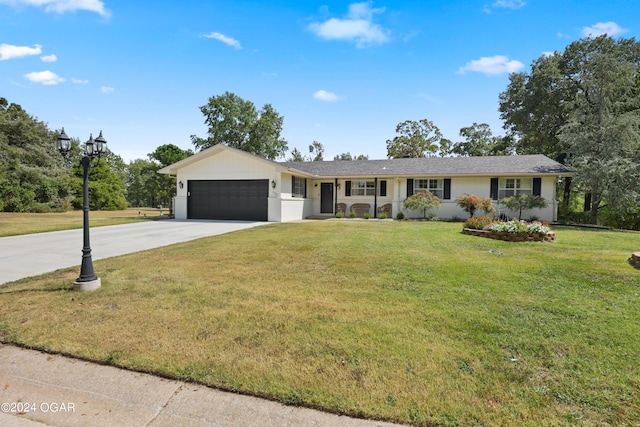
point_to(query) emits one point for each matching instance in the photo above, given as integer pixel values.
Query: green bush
(478, 223)
(399, 215)
(340, 214)
(367, 215)
(422, 201)
(353, 214)
(470, 203)
(383, 215)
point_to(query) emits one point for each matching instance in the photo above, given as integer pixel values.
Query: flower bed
(512, 231)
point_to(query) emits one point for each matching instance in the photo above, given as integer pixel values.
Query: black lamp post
(87, 281)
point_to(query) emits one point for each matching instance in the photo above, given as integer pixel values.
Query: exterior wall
(294, 208)
(227, 165)
(479, 186)
(350, 200)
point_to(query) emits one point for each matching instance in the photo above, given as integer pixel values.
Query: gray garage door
(228, 199)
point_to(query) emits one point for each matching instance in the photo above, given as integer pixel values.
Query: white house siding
(227, 165)
(350, 200)
(481, 186)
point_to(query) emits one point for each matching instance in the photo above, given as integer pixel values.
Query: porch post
(335, 191)
(375, 197)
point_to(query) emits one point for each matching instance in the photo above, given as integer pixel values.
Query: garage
(245, 200)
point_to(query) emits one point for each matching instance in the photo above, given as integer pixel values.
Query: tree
(481, 142)
(316, 154)
(521, 202)
(603, 130)
(470, 203)
(296, 156)
(32, 173)
(414, 139)
(582, 104)
(348, 156)
(236, 123)
(318, 149)
(145, 186)
(422, 200)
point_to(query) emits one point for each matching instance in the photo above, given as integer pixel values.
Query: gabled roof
(212, 151)
(536, 164)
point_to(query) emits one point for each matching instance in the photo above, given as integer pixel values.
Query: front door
(326, 197)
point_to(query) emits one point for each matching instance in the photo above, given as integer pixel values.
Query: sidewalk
(53, 390)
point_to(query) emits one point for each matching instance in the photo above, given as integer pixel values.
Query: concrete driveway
(34, 254)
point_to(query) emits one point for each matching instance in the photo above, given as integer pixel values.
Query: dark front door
(228, 199)
(326, 197)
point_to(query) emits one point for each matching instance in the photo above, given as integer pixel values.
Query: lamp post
(87, 281)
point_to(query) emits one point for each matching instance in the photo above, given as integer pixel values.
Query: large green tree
(237, 123)
(32, 173)
(479, 141)
(145, 186)
(414, 139)
(602, 132)
(581, 104)
(106, 182)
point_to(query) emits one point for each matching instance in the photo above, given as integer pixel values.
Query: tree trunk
(567, 193)
(587, 202)
(595, 203)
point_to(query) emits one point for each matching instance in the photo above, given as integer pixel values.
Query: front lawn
(406, 321)
(16, 223)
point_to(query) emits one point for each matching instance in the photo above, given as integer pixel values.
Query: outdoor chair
(386, 209)
(360, 209)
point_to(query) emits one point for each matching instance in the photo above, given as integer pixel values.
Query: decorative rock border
(513, 237)
(635, 259)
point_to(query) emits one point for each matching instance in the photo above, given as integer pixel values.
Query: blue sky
(341, 73)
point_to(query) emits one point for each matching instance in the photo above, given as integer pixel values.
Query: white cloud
(224, 39)
(492, 65)
(357, 27)
(609, 28)
(46, 78)
(62, 6)
(79, 82)
(504, 4)
(8, 51)
(49, 58)
(323, 95)
(107, 89)
(509, 4)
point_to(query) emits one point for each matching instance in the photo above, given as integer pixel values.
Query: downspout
(375, 197)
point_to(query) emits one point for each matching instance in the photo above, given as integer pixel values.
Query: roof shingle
(535, 164)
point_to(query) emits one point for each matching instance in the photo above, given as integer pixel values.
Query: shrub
(517, 226)
(470, 203)
(353, 214)
(399, 215)
(366, 215)
(383, 215)
(340, 214)
(478, 223)
(422, 200)
(521, 202)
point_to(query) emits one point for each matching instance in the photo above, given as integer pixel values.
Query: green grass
(406, 321)
(14, 223)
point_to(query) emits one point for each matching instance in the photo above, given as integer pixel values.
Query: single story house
(225, 183)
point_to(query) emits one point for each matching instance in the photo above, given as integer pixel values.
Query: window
(299, 187)
(508, 187)
(363, 188)
(435, 186)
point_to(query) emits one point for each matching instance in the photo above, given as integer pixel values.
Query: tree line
(580, 106)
